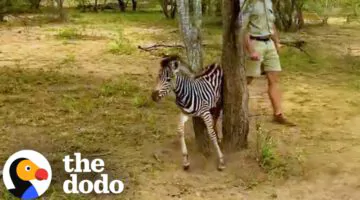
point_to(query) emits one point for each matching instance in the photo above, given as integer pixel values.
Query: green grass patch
(71, 113)
(77, 33)
(70, 33)
(121, 45)
(266, 153)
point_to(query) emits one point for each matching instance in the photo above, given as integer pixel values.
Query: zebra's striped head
(169, 67)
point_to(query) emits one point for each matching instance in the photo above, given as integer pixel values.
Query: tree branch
(156, 46)
(299, 44)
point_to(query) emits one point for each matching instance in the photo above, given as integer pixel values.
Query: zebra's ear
(176, 64)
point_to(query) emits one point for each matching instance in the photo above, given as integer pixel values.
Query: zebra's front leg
(218, 126)
(181, 132)
(209, 122)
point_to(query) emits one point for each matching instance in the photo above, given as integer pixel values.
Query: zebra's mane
(167, 59)
(184, 68)
(206, 70)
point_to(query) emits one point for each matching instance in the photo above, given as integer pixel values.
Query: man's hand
(255, 56)
(278, 47)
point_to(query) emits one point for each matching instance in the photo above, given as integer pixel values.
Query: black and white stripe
(199, 96)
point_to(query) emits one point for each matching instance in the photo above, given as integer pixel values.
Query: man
(262, 44)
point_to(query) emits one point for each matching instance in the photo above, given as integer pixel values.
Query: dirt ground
(320, 157)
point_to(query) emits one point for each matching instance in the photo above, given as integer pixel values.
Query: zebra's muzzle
(155, 95)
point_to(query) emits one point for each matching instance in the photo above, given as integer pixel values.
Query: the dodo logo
(27, 174)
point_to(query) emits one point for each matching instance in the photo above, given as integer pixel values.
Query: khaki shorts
(269, 59)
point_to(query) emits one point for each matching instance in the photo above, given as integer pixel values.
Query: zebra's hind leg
(181, 132)
(209, 122)
(217, 117)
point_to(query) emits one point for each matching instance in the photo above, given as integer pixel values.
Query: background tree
(96, 6)
(122, 5)
(211, 7)
(4, 7)
(289, 16)
(60, 8)
(190, 15)
(218, 7)
(169, 8)
(235, 119)
(134, 5)
(35, 4)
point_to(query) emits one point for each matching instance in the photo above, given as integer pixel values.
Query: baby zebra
(198, 96)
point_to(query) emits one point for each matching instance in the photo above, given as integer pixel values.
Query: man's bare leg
(274, 91)
(275, 98)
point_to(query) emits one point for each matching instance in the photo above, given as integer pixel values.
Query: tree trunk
(300, 17)
(218, 5)
(190, 28)
(122, 5)
(205, 6)
(35, 4)
(288, 14)
(236, 118)
(2, 10)
(201, 136)
(96, 6)
(164, 6)
(62, 14)
(4, 7)
(169, 13)
(134, 5)
(173, 9)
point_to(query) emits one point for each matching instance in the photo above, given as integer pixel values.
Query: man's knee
(273, 78)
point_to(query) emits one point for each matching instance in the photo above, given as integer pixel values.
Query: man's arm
(249, 47)
(248, 43)
(276, 38)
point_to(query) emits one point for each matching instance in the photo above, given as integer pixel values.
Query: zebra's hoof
(186, 167)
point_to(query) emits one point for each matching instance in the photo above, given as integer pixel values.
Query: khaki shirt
(259, 18)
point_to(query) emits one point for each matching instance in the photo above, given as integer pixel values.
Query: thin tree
(134, 5)
(35, 4)
(289, 15)
(4, 7)
(96, 6)
(122, 5)
(235, 119)
(190, 24)
(168, 12)
(61, 11)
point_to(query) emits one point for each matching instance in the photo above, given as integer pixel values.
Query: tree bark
(205, 6)
(5, 5)
(173, 9)
(169, 13)
(164, 5)
(289, 14)
(122, 5)
(62, 14)
(96, 6)
(35, 4)
(236, 118)
(218, 4)
(2, 10)
(134, 5)
(190, 28)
